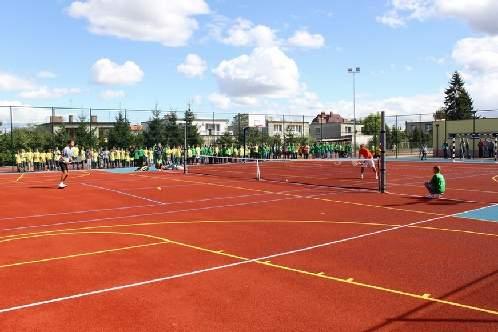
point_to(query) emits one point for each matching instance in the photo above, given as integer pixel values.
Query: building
(280, 127)
(334, 127)
(444, 131)
(424, 126)
(101, 129)
(211, 129)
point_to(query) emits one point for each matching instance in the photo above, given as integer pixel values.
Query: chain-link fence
(45, 129)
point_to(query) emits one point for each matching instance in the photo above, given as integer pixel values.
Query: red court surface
(172, 252)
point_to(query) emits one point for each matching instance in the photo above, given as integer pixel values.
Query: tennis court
(305, 249)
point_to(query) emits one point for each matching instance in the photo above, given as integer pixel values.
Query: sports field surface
(164, 251)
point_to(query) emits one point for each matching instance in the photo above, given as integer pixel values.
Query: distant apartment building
(281, 126)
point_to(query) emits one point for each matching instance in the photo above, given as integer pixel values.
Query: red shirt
(365, 153)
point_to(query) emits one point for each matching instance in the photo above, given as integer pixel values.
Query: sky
(276, 57)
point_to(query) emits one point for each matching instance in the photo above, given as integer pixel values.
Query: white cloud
(169, 22)
(109, 73)
(45, 74)
(219, 101)
(391, 19)
(9, 82)
(437, 60)
(267, 72)
(48, 93)
(479, 14)
(402, 11)
(193, 66)
(246, 33)
(477, 56)
(111, 94)
(303, 38)
(23, 114)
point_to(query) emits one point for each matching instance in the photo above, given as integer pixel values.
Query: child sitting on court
(144, 168)
(437, 185)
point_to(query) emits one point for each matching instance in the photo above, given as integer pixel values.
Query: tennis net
(341, 173)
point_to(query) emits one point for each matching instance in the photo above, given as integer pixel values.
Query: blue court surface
(489, 213)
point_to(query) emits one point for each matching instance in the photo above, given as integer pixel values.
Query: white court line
(147, 214)
(215, 268)
(456, 189)
(478, 209)
(76, 212)
(422, 196)
(125, 194)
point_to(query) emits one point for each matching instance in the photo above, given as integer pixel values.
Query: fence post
(382, 152)
(496, 147)
(12, 150)
(453, 148)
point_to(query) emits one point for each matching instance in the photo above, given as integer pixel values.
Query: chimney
(71, 119)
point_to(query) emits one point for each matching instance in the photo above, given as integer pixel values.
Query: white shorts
(369, 163)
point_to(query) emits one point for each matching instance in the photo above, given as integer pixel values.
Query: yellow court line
(82, 175)
(307, 197)
(242, 222)
(161, 239)
(71, 232)
(44, 260)
(423, 297)
(20, 177)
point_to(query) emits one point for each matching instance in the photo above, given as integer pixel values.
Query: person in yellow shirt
(50, 160)
(82, 158)
(95, 158)
(19, 162)
(112, 157)
(57, 157)
(36, 160)
(43, 161)
(75, 150)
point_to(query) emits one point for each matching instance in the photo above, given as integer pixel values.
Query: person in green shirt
(437, 185)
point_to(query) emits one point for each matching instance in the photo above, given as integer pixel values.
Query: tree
(440, 114)
(226, 139)
(193, 137)
(371, 126)
(84, 136)
(289, 136)
(239, 122)
(173, 133)
(60, 138)
(155, 131)
(457, 102)
(120, 134)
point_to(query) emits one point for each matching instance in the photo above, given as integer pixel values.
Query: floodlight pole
(354, 72)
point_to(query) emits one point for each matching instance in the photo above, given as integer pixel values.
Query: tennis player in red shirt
(364, 153)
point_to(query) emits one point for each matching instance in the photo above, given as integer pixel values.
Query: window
(317, 131)
(348, 130)
(277, 128)
(428, 126)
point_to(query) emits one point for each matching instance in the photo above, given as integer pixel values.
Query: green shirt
(438, 182)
